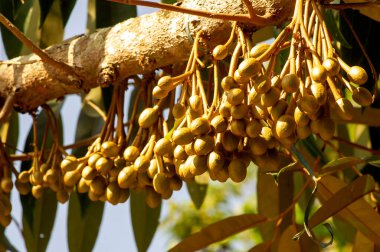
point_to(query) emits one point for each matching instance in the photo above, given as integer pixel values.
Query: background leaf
(218, 231)
(359, 214)
(38, 215)
(342, 198)
(83, 222)
(144, 220)
(197, 192)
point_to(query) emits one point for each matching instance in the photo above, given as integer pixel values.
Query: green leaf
(262, 247)
(38, 215)
(373, 160)
(144, 220)
(84, 216)
(359, 214)
(340, 164)
(83, 222)
(9, 132)
(218, 231)
(38, 220)
(104, 13)
(45, 6)
(169, 1)
(17, 14)
(52, 29)
(197, 192)
(332, 26)
(342, 198)
(67, 7)
(5, 243)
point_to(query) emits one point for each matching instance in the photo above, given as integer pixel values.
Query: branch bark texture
(134, 46)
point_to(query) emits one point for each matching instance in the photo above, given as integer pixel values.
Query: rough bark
(134, 46)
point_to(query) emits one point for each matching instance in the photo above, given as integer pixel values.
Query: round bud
(179, 110)
(203, 145)
(152, 198)
(249, 67)
(148, 117)
(127, 177)
(300, 118)
(239, 111)
(271, 97)
(159, 93)
(357, 75)
(62, 196)
(180, 153)
(163, 147)
(71, 178)
(278, 109)
(37, 191)
(258, 146)
(253, 128)
(98, 185)
(89, 173)
(124, 195)
(195, 103)
(262, 83)
(327, 128)
(285, 126)
(69, 163)
(290, 83)
(6, 184)
(103, 165)
(215, 161)
(332, 66)
(319, 92)
(219, 124)
(318, 74)
(82, 186)
(182, 136)
(141, 164)
(303, 132)
(225, 109)
(23, 177)
(200, 126)
(165, 82)
(228, 82)
(362, 96)
(161, 183)
(131, 153)
(308, 104)
(175, 183)
(109, 149)
(220, 52)
(230, 142)
(237, 170)
(240, 79)
(254, 97)
(235, 96)
(23, 188)
(92, 159)
(258, 50)
(198, 165)
(113, 193)
(237, 127)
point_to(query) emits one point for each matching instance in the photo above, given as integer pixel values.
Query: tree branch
(132, 47)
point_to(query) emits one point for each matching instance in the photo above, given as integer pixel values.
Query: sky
(116, 230)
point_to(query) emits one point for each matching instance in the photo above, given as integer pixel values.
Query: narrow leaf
(169, 1)
(52, 29)
(218, 231)
(85, 216)
(359, 214)
(286, 243)
(83, 222)
(363, 244)
(67, 7)
(197, 192)
(342, 198)
(45, 6)
(262, 247)
(373, 160)
(144, 220)
(340, 164)
(334, 29)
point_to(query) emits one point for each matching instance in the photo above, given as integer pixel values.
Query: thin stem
(373, 69)
(44, 57)
(344, 141)
(255, 19)
(345, 6)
